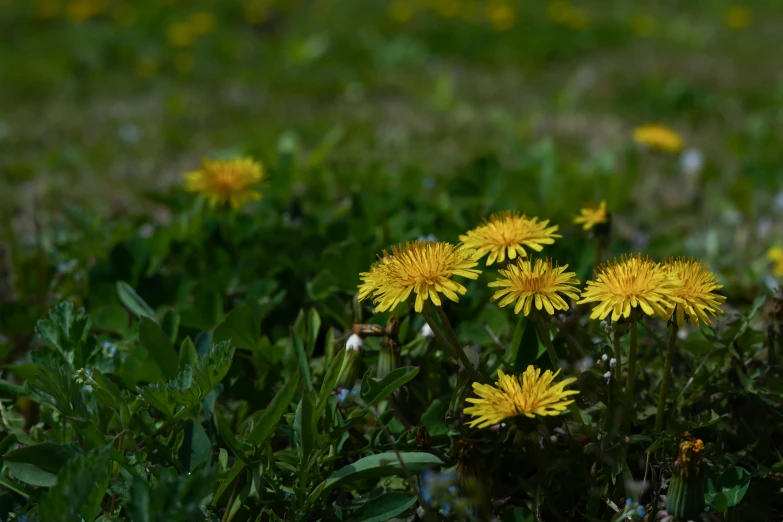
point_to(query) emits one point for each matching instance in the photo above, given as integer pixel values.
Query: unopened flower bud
(607, 375)
(387, 357)
(612, 362)
(352, 362)
(426, 331)
(604, 357)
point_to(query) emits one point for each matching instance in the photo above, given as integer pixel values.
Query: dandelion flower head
(421, 267)
(632, 282)
(541, 283)
(222, 182)
(590, 216)
(529, 394)
(775, 254)
(697, 297)
(658, 137)
(511, 233)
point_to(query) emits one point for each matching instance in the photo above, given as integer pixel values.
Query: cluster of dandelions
(628, 289)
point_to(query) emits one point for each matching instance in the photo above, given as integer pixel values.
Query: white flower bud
(354, 342)
(607, 375)
(604, 357)
(426, 331)
(612, 362)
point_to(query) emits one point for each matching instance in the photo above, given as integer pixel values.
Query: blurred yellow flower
(508, 232)
(529, 394)
(590, 216)
(401, 10)
(697, 297)
(147, 66)
(526, 283)
(223, 182)
(421, 267)
(201, 23)
(48, 9)
(80, 10)
(180, 35)
(658, 137)
(634, 282)
(643, 25)
(775, 254)
(738, 17)
(501, 13)
(564, 13)
(447, 8)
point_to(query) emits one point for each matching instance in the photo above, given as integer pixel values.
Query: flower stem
(631, 376)
(573, 408)
(667, 370)
(455, 349)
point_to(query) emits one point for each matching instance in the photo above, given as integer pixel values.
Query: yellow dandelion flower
(421, 267)
(180, 35)
(590, 216)
(690, 453)
(508, 231)
(658, 137)
(696, 295)
(631, 283)
(775, 254)
(501, 14)
(233, 182)
(525, 283)
(738, 17)
(529, 394)
(201, 23)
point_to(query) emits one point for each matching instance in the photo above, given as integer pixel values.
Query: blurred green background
(522, 104)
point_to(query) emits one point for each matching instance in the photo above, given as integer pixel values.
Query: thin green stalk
(667, 370)
(455, 350)
(619, 359)
(631, 376)
(573, 408)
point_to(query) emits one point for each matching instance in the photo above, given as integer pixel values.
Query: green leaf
(330, 379)
(385, 507)
(66, 332)
(434, 418)
(382, 465)
(106, 391)
(530, 348)
(81, 486)
(134, 302)
(171, 497)
(170, 324)
(302, 359)
(269, 419)
(187, 353)
(192, 384)
(159, 346)
(38, 464)
(304, 425)
(374, 392)
(732, 483)
(242, 326)
(228, 437)
(313, 327)
(196, 447)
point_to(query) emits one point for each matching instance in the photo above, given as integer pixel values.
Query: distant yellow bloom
(633, 282)
(697, 298)
(180, 35)
(658, 137)
(421, 267)
(508, 231)
(80, 10)
(401, 10)
(775, 254)
(233, 182)
(525, 283)
(201, 23)
(643, 25)
(590, 216)
(501, 13)
(530, 394)
(738, 17)
(47, 9)
(564, 13)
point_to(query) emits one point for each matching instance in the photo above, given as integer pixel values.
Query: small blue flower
(628, 502)
(22, 518)
(640, 511)
(342, 395)
(109, 349)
